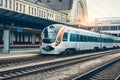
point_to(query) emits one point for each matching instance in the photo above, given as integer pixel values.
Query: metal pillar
(6, 39)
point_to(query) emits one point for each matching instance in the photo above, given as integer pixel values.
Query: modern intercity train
(58, 39)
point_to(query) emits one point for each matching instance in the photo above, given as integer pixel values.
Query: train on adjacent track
(59, 39)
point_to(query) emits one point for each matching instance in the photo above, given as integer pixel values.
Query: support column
(6, 39)
(33, 39)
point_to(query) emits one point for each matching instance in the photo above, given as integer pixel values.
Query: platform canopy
(8, 17)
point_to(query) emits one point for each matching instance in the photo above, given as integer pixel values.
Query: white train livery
(57, 39)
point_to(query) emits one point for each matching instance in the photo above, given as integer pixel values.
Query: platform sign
(19, 29)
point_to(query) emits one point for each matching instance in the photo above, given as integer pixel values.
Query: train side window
(97, 39)
(85, 39)
(73, 37)
(90, 39)
(81, 38)
(93, 39)
(78, 37)
(65, 37)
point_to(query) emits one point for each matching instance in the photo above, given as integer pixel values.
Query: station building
(25, 19)
(76, 10)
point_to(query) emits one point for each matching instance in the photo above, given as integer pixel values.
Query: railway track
(27, 60)
(108, 71)
(8, 73)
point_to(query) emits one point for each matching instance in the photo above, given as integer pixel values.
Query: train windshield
(49, 35)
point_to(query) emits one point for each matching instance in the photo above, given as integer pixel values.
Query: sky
(103, 8)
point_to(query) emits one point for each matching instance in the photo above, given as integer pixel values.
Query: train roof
(83, 30)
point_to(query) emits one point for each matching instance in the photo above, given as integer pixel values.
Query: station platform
(22, 46)
(21, 52)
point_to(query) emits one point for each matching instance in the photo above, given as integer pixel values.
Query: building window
(10, 4)
(35, 11)
(32, 10)
(42, 14)
(6, 3)
(16, 6)
(1, 2)
(20, 7)
(23, 8)
(39, 12)
(29, 9)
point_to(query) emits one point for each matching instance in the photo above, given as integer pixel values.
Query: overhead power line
(101, 7)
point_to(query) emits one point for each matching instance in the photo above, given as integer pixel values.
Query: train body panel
(59, 38)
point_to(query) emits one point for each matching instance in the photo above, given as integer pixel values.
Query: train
(63, 39)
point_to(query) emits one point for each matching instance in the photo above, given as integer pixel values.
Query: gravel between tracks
(67, 73)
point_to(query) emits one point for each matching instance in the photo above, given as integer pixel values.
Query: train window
(90, 38)
(1, 2)
(49, 36)
(96, 39)
(81, 38)
(93, 39)
(73, 37)
(65, 37)
(85, 38)
(78, 37)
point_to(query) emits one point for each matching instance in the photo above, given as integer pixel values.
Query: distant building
(108, 26)
(75, 9)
